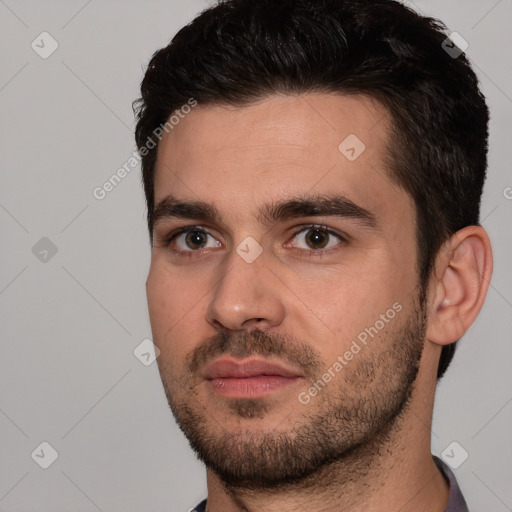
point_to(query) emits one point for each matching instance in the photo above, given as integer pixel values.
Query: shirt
(456, 502)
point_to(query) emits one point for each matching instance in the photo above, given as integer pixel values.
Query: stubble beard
(347, 426)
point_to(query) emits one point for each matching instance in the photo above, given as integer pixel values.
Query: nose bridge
(245, 292)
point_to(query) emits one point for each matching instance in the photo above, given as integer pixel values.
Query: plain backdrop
(73, 268)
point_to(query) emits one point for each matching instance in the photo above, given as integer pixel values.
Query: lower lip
(251, 387)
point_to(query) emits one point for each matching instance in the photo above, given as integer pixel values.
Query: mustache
(255, 342)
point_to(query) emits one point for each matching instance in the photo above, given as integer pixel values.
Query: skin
(238, 159)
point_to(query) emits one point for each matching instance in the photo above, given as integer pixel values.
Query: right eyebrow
(170, 207)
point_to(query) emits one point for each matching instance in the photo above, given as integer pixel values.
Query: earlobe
(459, 284)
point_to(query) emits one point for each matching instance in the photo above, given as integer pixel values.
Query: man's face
(283, 284)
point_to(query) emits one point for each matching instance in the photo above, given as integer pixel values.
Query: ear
(459, 284)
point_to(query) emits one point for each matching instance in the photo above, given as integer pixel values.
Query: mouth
(249, 378)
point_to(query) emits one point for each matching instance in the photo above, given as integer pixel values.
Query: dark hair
(242, 50)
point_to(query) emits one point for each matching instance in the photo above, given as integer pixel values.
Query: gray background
(70, 323)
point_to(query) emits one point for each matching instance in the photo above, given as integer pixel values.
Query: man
(313, 172)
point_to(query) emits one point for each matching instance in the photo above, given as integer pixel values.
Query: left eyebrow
(316, 206)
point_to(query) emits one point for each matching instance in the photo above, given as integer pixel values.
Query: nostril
(251, 321)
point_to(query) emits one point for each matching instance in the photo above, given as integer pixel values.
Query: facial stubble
(348, 421)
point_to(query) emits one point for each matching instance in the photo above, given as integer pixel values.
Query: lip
(232, 368)
(249, 378)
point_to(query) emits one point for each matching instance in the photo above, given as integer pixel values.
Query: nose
(246, 295)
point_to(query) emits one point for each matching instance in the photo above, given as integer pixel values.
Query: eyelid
(187, 229)
(179, 231)
(342, 236)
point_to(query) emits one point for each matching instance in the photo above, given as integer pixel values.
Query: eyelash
(168, 239)
(308, 252)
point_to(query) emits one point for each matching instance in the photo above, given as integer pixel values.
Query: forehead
(277, 147)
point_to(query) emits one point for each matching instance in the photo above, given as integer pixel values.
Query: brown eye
(196, 239)
(193, 240)
(317, 238)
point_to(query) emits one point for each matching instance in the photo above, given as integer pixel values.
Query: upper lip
(231, 368)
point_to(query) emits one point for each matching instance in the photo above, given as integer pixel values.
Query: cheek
(338, 304)
(174, 306)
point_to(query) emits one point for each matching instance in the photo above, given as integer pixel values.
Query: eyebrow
(297, 207)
